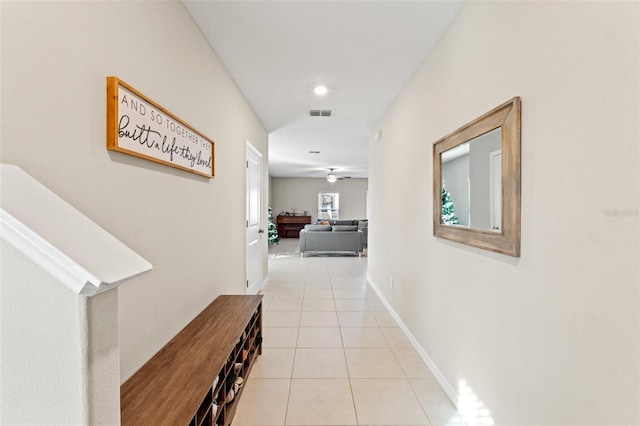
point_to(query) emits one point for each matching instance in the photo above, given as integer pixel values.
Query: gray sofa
(362, 224)
(341, 236)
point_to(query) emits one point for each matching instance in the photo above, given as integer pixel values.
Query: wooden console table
(290, 226)
(189, 381)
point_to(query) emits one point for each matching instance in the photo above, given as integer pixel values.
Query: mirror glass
(472, 183)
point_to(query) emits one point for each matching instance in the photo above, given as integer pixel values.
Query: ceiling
(364, 52)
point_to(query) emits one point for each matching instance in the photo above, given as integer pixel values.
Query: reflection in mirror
(472, 183)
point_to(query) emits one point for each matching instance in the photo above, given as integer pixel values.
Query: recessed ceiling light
(320, 90)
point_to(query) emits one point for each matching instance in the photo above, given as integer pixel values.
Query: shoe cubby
(198, 377)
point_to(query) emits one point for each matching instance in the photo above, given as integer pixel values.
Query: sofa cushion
(344, 222)
(324, 228)
(345, 228)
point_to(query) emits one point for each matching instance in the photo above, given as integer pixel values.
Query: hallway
(332, 353)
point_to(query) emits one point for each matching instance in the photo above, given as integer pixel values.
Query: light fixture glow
(331, 177)
(320, 90)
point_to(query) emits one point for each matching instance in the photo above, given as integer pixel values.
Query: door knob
(261, 231)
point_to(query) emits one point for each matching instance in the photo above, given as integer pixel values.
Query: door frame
(495, 194)
(254, 150)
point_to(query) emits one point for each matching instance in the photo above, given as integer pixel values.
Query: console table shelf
(290, 226)
(190, 379)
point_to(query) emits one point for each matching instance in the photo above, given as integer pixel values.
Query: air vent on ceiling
(314, 152)
(320, 112)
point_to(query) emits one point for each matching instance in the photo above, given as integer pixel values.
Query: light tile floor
(333, 355)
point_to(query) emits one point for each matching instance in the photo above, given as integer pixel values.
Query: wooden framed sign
(138, 126)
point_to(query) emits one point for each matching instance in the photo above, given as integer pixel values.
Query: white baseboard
(437, 374)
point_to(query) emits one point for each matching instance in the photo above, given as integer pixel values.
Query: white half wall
(302, 194)
(42, 349)
(55, 60)
(552, 337)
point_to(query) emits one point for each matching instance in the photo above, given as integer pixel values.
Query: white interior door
(254, 220)
(495, 189)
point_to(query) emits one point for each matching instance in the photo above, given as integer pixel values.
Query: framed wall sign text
(138, 126)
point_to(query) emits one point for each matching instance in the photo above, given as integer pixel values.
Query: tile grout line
(378, 325)
(295, 353)
(407, 378)
(344, 354)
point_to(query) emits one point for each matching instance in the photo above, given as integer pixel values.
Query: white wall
(551, 338)
(39, 389)
(55, 58)
(302, 194)
(59, 355)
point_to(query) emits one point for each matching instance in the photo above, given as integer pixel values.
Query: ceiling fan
(332, 177)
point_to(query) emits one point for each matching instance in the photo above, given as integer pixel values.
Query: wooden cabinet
(191, 380)
(290, 226)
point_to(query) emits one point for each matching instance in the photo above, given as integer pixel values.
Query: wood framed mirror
(476, 182)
